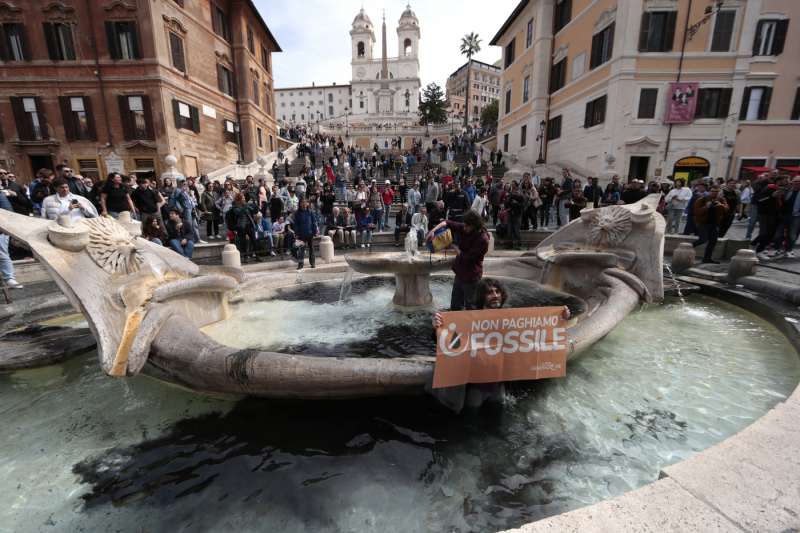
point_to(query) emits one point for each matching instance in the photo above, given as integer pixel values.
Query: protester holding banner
(473, 243)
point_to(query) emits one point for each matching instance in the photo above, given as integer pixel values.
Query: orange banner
(500, 345)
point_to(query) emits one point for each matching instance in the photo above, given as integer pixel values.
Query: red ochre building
(116, 85)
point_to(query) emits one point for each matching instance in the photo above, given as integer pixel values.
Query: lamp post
(308, 110)
(346, 125)
(540, 138)
(407, 94)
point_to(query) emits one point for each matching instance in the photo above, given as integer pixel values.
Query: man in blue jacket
(305, 229)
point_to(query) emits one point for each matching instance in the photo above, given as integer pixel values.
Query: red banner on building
(681, 103)
(500, 345)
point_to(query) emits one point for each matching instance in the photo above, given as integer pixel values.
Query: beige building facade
(313, 103)
(598, 76)
(484, 80)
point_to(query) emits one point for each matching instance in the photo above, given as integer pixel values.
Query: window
(29, 117)
(595, 112)
(176, 50)
(88, 169)
(407, 49)
(509, 54)
(770, 37)
(225, 80)
(713, 103)
(76, 112)
(505, 142)
(256, 98)
(58, 36)
(796, 106)
(186, 116)
(558, 74)
(525, 85)
(123, 42)
(219, 22)
(784, 162)
(136, 117)
(251, 44)
(260, 137)
(229, 131)
(562, 15)
(746, 162)
(602, 46)
(657, 31)
(755, 103)
(302, 116)
(554, 128)
(508, 101)
(265, 58)
(723, 30)
(474, 110)
(647, 103)
(523, 135)
(529, 34)
(271, 144)
(361, 104)
(330, 110)
(360, 49)
(14, 42)
(330, 98)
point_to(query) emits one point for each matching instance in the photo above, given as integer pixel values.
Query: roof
(310, 87)
(264, 26)
(509, 21)
(475, 61)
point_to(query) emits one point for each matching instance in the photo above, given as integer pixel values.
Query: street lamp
(540, 138)
(407, 94)
(308, 110)
(346, 125)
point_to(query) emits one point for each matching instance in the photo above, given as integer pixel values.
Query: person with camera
(709, 211)
(65, 202)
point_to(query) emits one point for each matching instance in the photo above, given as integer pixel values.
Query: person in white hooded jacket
(63, 202)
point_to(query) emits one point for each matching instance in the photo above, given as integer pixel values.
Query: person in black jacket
(516, 205)
(768, 198)
(402, 223)
(457, 202)
(179, 234)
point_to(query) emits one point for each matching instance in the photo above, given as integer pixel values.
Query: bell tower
(408, 35)
(362, 37)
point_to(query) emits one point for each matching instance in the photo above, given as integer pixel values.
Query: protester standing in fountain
(473, 243)
(709, 212)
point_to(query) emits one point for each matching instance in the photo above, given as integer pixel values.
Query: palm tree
(470, 45)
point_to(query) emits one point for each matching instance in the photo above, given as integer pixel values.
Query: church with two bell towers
(385, 87)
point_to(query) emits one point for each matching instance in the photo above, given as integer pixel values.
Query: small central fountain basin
(412, 272)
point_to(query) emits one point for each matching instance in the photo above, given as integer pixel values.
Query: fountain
(412, 270)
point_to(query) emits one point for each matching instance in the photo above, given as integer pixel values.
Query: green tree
(489, 115)
(432, 108)
(470, 45)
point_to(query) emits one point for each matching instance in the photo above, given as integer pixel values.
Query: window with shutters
(219, 22)
(29, 118)
(505, 142)
(525, 89)
(225, 80)
(60, 44)
(14, 42)
(265, 58)
(89, 169)
(187, 116)
(796, 106)
(648, 98)
(755, 103)
(770, 37)
(529, 34)
(602, 46)
(595, 112)
(558, 75)
(76, 113)
(251, 44)
(508, 101)
(723, 30)
(229, 131)
(123, 41)
(523, 135)
(176, 51)
(713, 103)
(256, 98)
(509, 53)
(330, 110)
(554, 128)
(562, 14)
(657, 31)
(136, 117)
(260, 136)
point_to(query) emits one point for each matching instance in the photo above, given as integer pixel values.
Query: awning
(794, 170)
(760, 170)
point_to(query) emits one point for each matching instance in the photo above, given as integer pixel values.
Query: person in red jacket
(473, 243)
(388, 198)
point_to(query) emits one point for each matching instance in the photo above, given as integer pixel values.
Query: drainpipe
(680, 71)
(99, 76)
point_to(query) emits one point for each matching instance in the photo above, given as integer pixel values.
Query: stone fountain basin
(400, 263)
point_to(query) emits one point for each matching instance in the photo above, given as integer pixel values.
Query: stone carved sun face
(112, 247)
(610, 227)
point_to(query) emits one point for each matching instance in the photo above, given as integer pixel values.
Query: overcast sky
(314, 35)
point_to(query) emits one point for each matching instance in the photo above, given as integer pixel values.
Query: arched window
(360, 47)
(407, 47)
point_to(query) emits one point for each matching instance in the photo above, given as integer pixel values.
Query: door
(638, 167)
(41, 161)
(190, 166)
